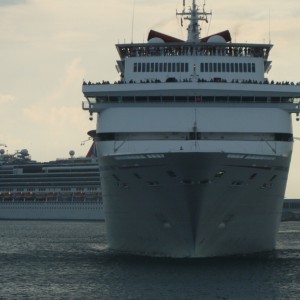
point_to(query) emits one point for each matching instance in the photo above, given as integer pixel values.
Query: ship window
(202, 67)
(181, 99)
(223, 67)
(154, 99)
(156, 67)
(249, 67)
(206, 67)
(143, 67)
(234, 99)
(114, 99)
(152, 67)
(283, 137)
(165, 67)
(139, 67)
(240, 67)
(245, 67)
(275, 99)
(173, 67)
(210, 67)
(219, 67)
(141, 99)
(168, 99)
(236, 67)
(248, 99)
(232, 67)
(148, 67)
(135, 67)
(102, 99)
(128, 99)
(186, 67)
(182, 67)
(160, 67)
(215, 67)
(107, 136)
(208, 99)
(253, 68)
(227, 67)
(221, 99)
(169, 67)
(260, 99)
(178, 67)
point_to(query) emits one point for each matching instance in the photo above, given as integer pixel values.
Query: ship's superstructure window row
(228, 67)
(203, 67)
(160, 67)
(198, 98)
(236, 136)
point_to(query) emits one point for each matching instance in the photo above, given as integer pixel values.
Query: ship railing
(214, 80)
(202, 49)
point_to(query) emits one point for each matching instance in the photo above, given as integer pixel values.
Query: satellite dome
(24, 152)
(156, 40)
(2, 151)
(216, 39)
(72, 153)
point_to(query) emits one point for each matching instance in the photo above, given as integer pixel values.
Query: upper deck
(152, 49)
(186, 60)
(210, 69)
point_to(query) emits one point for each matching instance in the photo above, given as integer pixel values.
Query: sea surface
(70, 260)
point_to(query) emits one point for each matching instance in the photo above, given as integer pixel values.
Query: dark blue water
(69, 260)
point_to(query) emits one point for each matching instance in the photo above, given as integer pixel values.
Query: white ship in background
(194, 145)
(64, 189)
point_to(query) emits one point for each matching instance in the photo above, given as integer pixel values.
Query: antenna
(269, 26)
(194, 16)
(132, 22)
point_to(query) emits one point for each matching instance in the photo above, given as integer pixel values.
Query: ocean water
(70, 260)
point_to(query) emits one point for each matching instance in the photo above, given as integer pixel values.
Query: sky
(48, 47)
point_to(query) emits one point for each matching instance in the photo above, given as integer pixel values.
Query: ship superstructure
(67, 189)
(194, 145)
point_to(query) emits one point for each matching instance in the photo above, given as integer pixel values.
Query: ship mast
(194, 16)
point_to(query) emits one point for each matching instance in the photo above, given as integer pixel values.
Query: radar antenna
(194, 16)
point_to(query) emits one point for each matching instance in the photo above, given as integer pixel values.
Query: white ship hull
(179, 206)
(51, 211)
(219, 195)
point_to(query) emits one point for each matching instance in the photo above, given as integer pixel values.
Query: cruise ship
(194, 144)
(64, 189)
(291, 210)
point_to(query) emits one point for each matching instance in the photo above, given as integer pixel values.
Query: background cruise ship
(64, 189)
(194, 144)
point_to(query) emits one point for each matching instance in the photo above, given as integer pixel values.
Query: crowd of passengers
(190, 50)
(199, 80)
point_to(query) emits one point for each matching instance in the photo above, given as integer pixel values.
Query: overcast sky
(48, 47)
